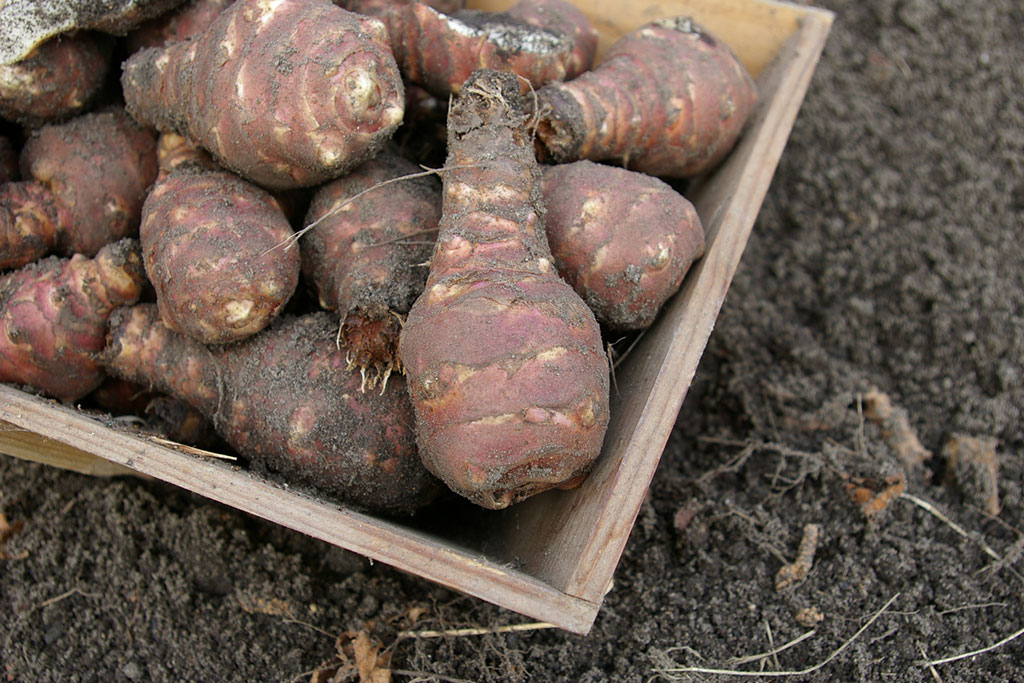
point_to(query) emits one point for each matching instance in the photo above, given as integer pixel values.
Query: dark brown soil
(887, 254)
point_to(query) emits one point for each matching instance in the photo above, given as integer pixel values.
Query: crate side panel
(573, 539)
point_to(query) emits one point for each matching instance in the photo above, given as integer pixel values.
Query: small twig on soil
(963, 608)
(764, 655)
(973, 653)
(479, 631)
(782, 674)
(65, 595)
(932, 669)
(771, 643)
(925, 505)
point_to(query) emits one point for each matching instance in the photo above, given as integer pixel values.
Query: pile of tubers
(246, 224)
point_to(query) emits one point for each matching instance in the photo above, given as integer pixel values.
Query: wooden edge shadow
(573, 540)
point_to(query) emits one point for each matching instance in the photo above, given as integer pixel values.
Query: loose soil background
(887, 254)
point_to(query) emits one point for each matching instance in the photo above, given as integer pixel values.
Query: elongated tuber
(623, 240)
(669, 100)
(53, 318)
(365, 256)
(439, 51)
(57, 80)
(208, 243)
(83, 187)
(504, 361)
(287, 94)
(284, 400)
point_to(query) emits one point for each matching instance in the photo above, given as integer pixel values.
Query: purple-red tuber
(505, 363)
(287, 94)
(669, 99)
(622, 239)
(53, 318)
(284, 400)
(366, 254)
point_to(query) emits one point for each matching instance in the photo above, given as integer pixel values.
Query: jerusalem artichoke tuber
(365, 257)
(57, 80)
(439, 51)
(505, 363)
(83, 187)
(53, 317)
(622, 239)
(208, 241)
(287, 94)
(284, 400)
(669, 99)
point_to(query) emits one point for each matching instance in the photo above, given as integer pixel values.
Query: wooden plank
(755, 30)
(390, 542)
(27, 445)
(573, 540)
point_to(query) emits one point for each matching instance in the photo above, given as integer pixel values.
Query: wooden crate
(551, 557)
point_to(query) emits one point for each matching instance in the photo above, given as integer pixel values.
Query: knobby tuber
(83, 185)
(623, 240)
(53, 317)
(366, 254)
(284, 400)
(505, 363)
(27, 23)
(439, 51)
(59, 79)
(669, 100)
(287, 94)
(208, 243)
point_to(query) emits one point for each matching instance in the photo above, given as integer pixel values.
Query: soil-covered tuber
(622, 239)
(287, 94)
(83, 185)
(504, 360)
(284, 400)
(211, 242)
(439, 51)
(366, 254)
(57, 80)
(53, 318)
(669, 100)
(27, 23)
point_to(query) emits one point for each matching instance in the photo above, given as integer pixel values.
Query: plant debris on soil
(840, 499)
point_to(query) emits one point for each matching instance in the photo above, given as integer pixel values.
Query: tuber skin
(668, 100)
(53, 318)
(439, 51)
(504, 361)
(56, 81)
(83, 187)
(287, 94)
(365, 256)
(622, 239)
(284, 400)
(563, 17)
(211, 244)
(182, 23)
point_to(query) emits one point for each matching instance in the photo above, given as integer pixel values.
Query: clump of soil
(885, 260)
